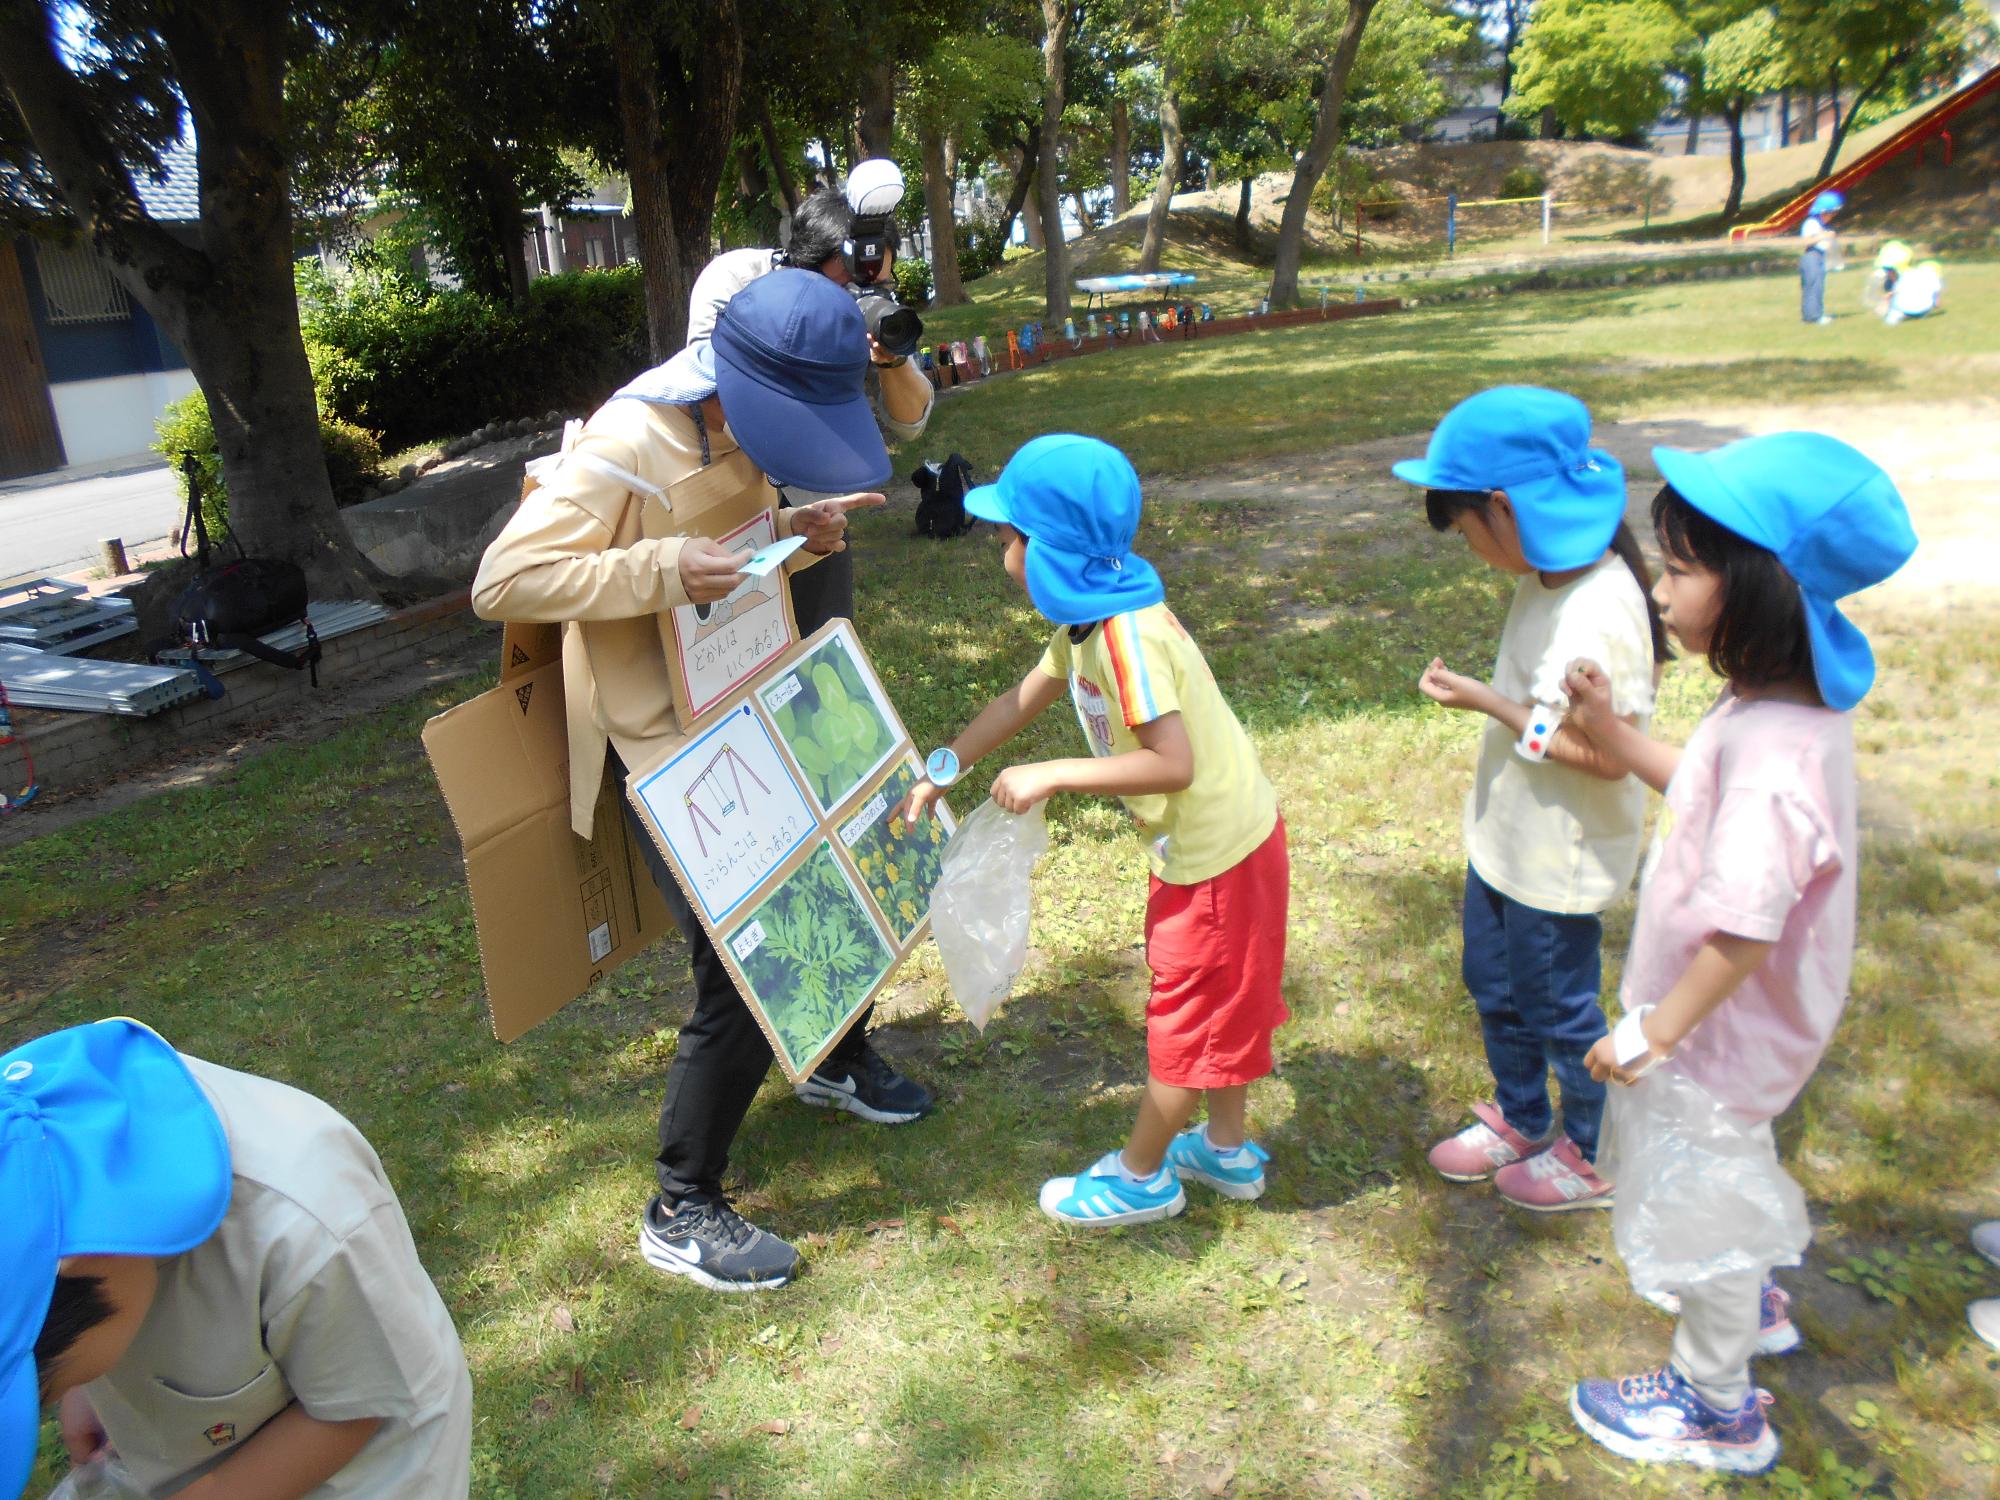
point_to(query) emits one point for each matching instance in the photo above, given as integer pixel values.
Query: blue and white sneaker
(1234, 1174)
(1658, 1418)
(1102, 1197)
(1776, 1333)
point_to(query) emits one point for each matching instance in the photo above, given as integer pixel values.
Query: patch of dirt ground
(1942, 458)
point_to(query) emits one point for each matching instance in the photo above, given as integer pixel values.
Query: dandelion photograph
(899, 863)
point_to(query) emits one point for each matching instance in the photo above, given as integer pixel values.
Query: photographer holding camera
(851, 240)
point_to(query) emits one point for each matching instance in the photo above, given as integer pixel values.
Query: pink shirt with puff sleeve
(1758, 840)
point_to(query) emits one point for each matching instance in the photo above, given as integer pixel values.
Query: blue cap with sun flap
(1076, 500)
(108, 1146)
(1831, 515)
(1568, 497)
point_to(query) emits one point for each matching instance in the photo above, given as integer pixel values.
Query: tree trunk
(1018, 196)
(229, 304)
(1173, 157)
(1549, 128)
(1319, 151)
(1056, 19)
(1243, 214)
(1844, 121)
(1733, 113)
(674, 185)
(875, 124)
(646, 164)
(946, 288)
(774, 155)
(1121, 158)
(1031, 222)
(1083, 218)
(1693, 142)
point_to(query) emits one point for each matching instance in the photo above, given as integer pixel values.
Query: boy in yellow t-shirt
(1164, 741)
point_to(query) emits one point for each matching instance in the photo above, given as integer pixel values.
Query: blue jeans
(1534, 976)
(1812, 285)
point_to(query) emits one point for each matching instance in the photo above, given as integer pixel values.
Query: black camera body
(895, 327)
(874, 189)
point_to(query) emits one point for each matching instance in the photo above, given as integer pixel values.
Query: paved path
(54, 526)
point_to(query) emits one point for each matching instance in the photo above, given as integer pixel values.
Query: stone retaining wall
(78, 750)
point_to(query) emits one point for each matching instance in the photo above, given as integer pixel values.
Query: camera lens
(895, 327)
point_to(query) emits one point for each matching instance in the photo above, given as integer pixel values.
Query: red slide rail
(1927, 126)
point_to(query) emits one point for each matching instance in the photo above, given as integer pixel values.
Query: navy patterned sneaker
(1658, 1418)
(708, 1242)
(867, 1086)
(1776, 1333)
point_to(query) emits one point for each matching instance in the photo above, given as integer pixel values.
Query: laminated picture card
(779, 818)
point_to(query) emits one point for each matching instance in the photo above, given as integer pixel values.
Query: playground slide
(1928, 126)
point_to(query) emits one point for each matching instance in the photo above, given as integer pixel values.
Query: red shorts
(1217, 952)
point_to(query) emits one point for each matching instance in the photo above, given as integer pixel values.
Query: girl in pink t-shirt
(1741, 952)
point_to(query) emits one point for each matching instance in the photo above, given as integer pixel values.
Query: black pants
(723, 1054)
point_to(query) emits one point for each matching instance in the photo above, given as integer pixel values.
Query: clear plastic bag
(1700, 1191)
(979, 907)
(100, 1479)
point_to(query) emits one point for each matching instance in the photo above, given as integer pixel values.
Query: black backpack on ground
(229, 606)
(942, 487)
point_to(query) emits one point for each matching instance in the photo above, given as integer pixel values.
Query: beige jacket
(603, 560)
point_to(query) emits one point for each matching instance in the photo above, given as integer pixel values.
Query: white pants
(1717, 1335)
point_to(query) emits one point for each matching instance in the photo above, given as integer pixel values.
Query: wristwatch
(941, 767)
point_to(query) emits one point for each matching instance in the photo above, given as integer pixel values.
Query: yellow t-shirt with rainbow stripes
(1135, 668)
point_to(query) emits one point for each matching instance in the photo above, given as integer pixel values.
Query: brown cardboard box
(555, 913)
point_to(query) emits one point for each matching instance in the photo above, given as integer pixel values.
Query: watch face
(942, 767)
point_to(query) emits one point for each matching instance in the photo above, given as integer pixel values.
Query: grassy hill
(1603, 188)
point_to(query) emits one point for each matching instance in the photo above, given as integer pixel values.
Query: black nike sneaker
(866, 1086)
(707, 1241)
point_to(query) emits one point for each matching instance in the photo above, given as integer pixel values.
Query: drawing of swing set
(708, 788)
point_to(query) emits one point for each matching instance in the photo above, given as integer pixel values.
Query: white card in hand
(764, 559)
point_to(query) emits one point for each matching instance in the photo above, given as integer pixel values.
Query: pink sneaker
(1553, 1182)
(1484, 1146)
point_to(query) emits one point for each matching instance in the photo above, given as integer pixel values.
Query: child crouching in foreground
(1164, 741)
(1744, 942)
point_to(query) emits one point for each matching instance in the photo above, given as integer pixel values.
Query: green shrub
(980, 247)
(353, 457)
(1605, 184)
(1523, 182)
(1380, 202)
(913, 281)
(412, 362)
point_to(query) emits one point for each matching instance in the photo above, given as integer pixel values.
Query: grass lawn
(1180, 406)
(1366, 1330)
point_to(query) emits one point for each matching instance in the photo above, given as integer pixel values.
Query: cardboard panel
(523, 648)
(720, 646)
(554, 913)
(787, 902)
(715, 649)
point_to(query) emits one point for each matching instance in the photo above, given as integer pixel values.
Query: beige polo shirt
(309, 1292)
(1549, 835)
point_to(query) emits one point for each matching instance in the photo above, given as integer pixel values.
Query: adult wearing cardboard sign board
(608, 545)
